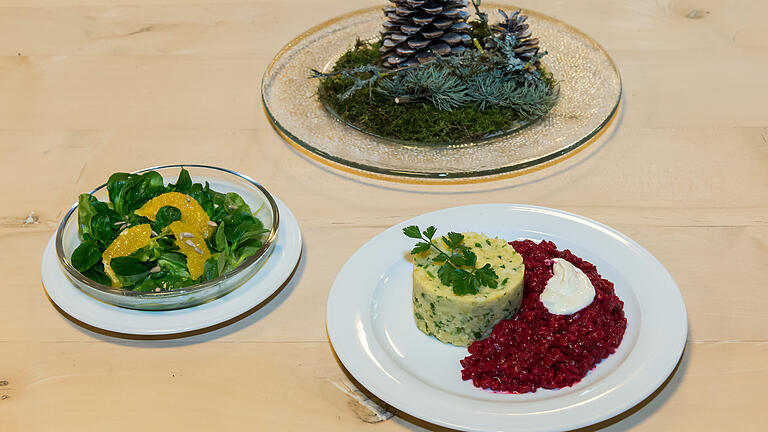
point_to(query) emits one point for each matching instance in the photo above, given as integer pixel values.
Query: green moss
(377, 114)
(479, 30)
(363, 53)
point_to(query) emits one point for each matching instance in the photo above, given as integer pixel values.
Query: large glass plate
(590, 94)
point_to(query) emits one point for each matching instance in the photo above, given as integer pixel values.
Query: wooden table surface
(90, 87)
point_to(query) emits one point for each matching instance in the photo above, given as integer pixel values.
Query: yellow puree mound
(463, 319)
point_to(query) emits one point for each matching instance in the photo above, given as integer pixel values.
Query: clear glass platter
(590, 94)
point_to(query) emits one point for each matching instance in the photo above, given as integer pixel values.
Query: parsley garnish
(450, 272)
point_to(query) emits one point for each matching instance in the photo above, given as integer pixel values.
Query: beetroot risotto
(539, 349)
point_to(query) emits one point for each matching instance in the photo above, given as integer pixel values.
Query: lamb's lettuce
(160, 265)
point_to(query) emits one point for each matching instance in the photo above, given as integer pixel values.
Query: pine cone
(418, 30)
(525, 47)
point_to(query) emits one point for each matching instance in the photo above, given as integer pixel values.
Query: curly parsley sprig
(450, 273)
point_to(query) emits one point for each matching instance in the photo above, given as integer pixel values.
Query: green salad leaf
(221, 263)
(96, 221)
(222, 245)
(85, 256)
(165, 216)
(183, 183)
(128, 192)
(211, 270)
(130, 270)
(86, 210)
(96, 273)
(161, 265)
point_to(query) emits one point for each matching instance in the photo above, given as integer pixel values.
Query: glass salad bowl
(221, 180)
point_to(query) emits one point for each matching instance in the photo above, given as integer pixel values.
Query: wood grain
(97, 385)
(90, 87)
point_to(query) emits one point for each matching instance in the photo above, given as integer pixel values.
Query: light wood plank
(714, 286)
(656, 203)
(236, 28)
(290, 386)
(91, 87)
(221, 91)
(131, 50)
(667, 177)
(178, 28)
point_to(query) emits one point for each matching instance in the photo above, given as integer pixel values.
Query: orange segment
(191, 212)
(192, 244)
(126, 243)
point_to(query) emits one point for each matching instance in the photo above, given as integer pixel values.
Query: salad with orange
(155, 237)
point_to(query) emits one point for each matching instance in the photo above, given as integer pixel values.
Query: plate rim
(665, 364)
(186, 319)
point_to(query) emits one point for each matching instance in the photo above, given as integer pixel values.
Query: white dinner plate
(275, 271)
(371, 326)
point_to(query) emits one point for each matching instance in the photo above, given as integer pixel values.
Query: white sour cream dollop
(568, 290)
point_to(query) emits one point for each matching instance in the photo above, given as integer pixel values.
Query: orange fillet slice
(192, 244)
(191, 211)
(126, 243)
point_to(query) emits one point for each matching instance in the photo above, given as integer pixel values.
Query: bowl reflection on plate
(221, 180)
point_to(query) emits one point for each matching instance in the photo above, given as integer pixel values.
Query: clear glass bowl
(221, 180)
(590, 91)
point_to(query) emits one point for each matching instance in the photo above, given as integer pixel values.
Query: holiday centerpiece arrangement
(440, 89)
(437, 75)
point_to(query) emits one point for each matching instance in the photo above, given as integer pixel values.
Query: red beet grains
(539, 349)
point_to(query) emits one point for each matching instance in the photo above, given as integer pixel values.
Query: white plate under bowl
(371, 326)
(274, 272)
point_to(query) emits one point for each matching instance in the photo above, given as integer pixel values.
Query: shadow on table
(217, 331)
(624, 421)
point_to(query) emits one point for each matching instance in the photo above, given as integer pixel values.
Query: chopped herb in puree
(463, 284)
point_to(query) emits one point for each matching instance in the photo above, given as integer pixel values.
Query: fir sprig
(451, 272)
(373, 72)
(482, 16)
(479, 94)
(487, 80)
(496, 77)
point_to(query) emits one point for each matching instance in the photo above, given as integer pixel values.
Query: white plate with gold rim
(274, 272)
(371, 326)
